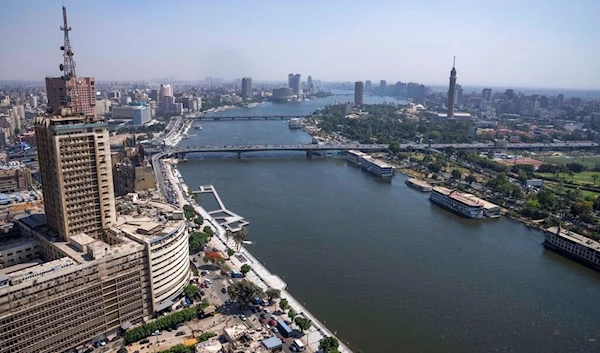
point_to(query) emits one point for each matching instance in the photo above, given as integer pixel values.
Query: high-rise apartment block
(359, 93)
(294, 82)
(165, 91)
(74, 158)
(247, 88)
(368, 85)
(382, 87)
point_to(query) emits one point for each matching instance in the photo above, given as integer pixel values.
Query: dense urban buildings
(247, 88)
(452, 92)
(14, 176)
(359, 92)
(85, 269)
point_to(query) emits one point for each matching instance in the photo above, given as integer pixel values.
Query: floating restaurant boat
(370, 164)
(466, 205)
(295, 123)
(574, 246)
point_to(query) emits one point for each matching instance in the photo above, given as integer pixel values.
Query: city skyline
(493, 46)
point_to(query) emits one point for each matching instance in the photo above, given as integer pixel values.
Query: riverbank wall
(259, 274)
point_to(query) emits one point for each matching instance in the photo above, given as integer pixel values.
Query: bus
(284, 329)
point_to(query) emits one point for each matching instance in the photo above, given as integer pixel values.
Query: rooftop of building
(466, 199)
(357, 153)
(247, 340)
(377, 162)
(147, 220)
(575, 237)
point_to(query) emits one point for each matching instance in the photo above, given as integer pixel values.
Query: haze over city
(545, 44)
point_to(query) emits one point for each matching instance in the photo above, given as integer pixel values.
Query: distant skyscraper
(309, 81)
(294, 83)
(246, 88)
(165, 91)
(452, 91)
(368, 85)
(459, 95)
(359, 92)
(33, 101)
(382, 87)
(486, 98)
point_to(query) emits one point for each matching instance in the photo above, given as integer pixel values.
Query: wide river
(382, 266)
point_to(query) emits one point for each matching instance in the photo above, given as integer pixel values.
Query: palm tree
(240, 236)
(228, 235)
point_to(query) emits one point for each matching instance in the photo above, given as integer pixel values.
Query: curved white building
(162, 229)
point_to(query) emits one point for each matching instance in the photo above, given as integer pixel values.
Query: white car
(273, 317)
(243, 317)
(230, 281)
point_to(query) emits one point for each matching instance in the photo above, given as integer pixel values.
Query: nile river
(383, 267)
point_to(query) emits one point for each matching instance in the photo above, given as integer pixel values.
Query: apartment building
(74, 159)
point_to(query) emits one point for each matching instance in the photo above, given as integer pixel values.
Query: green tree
(580, 208)
(329, 344)
(243, 292)
(197, 241)
(291, 314)
(456, 174)
(208, 230)
(470, 178)
(190, 290)
(303, 323)
(199, 220)
(283, 304)
(188, 211)
(230, 252)
(245, 269)
(273, 293)
(394, 147)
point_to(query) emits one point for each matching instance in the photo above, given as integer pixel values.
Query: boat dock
(419, 184)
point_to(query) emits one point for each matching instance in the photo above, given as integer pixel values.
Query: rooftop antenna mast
(68, 67)
(453, 60)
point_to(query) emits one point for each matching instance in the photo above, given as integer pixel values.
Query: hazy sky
(519, 43)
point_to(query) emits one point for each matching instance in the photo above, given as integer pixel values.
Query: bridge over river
(309, 148)
(252, 117)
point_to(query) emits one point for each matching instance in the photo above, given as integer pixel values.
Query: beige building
(19, 252)
(74, 158)
(87, 290)
(14, 178)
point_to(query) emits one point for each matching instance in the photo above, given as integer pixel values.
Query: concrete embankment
(259, 274)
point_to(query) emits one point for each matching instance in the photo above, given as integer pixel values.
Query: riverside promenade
(259, 274)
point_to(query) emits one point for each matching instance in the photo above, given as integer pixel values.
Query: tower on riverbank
(452, 91)
(359, 93)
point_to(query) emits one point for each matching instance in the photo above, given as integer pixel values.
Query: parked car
(223, 290)
(180, 333)
(144, 341)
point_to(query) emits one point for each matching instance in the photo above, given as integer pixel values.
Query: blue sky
(526, 43)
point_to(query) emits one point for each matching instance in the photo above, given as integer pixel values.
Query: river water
(381, 265)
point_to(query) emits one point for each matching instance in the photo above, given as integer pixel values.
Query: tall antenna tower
(68, 67)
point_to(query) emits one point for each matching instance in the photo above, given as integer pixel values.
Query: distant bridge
(310, 148)
(253, 117)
